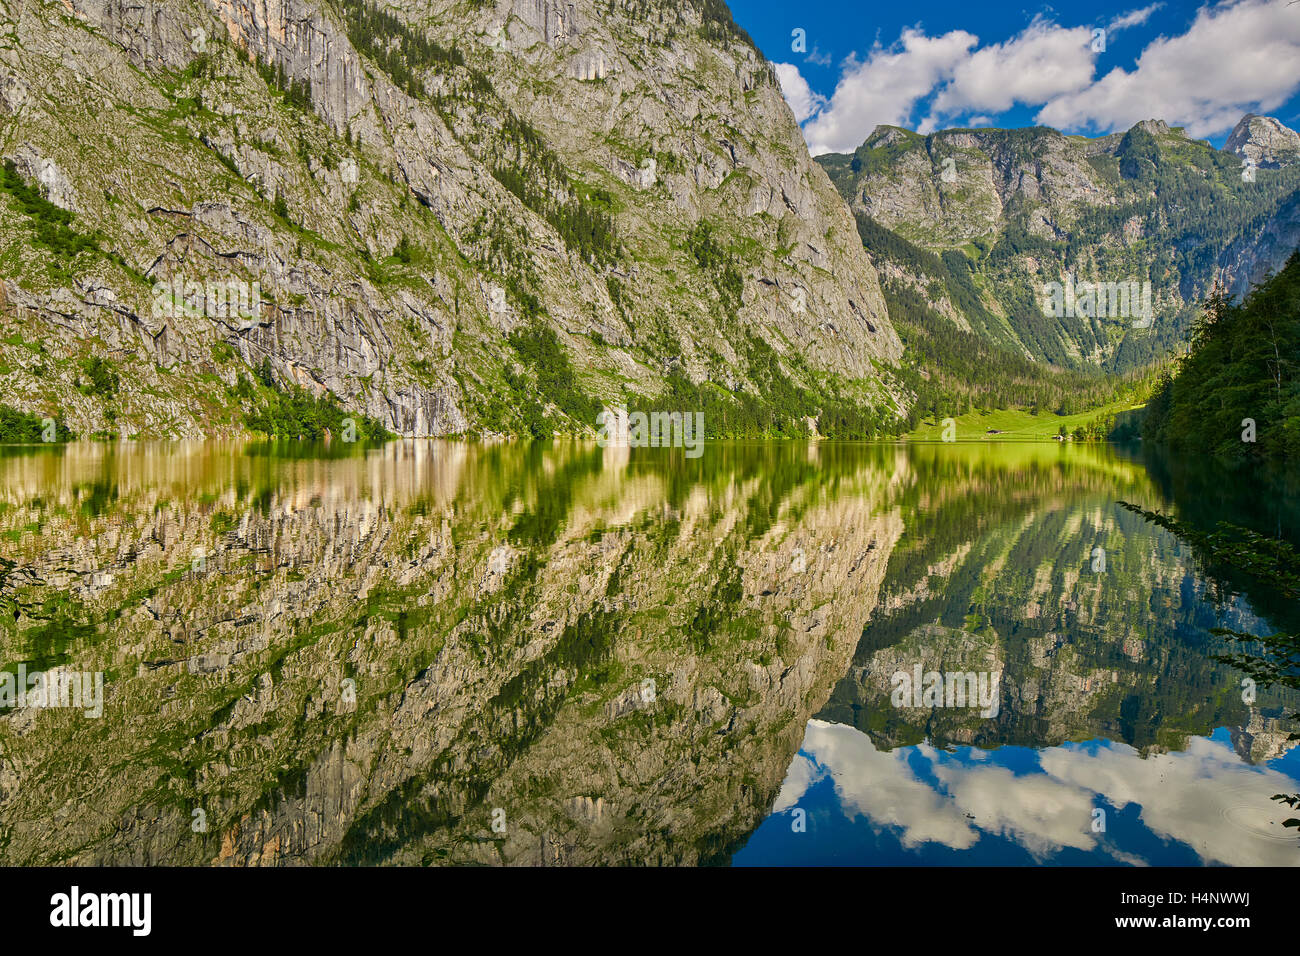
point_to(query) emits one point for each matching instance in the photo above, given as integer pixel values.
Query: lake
(775, 653)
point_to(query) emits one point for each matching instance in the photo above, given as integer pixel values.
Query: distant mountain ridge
(1009, 211)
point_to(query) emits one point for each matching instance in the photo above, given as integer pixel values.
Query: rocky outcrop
(1262, 738)
(958, 185)
(45, 172)
(1262, 251)
(1264, 142)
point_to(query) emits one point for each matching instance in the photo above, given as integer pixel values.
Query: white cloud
(1236, 57)
(1204, 797)
(818, 57)
(1134, 19)
(803, 773)
(884, 88)
(1042, 62)
(1041, 814)
(882, 788)
(803, 101)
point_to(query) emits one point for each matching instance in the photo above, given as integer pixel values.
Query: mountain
(1263, 141)
(447, 216)
(979, 223)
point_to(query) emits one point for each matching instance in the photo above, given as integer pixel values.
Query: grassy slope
(1014, 424)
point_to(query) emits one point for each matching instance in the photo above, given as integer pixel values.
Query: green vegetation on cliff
(52, 225)
(955, 371)
(1236, 395)
(296, 413)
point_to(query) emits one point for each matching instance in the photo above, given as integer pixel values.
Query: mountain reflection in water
(437, 652)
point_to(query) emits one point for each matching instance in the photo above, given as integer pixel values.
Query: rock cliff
(402, 191)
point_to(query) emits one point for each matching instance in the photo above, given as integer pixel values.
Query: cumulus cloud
(1041, 63)
(885, 88)
(1204, 796)
(1236, 57)
(803, 101)
(1041, 814)
(1233, 59)
(882, 788)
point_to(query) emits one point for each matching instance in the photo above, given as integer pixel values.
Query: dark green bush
(18, 427)
(294, 412)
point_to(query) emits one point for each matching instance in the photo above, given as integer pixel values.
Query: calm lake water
(436, 652)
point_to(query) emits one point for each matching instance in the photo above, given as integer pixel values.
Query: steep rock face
(1264, 142)
(1020, 209)
(637, 186)
(958, 185)
(1263, 250)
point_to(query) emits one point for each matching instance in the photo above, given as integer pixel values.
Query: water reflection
(920, 805)
(436, 652)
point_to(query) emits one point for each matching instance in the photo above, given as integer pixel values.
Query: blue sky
(935, 64)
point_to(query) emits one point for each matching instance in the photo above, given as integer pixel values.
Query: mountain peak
(1156, 127)
(887, 135)
(1263, 141)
